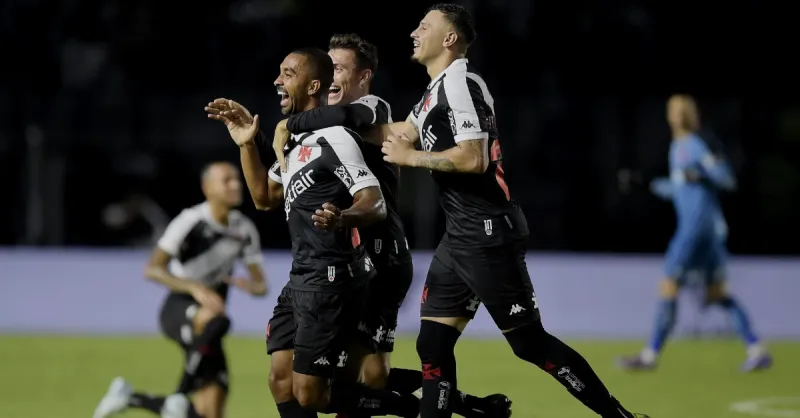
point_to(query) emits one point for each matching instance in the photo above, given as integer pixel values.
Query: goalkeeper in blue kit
(699, 243)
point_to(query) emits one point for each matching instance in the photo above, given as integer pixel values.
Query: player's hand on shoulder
(242, 126)
(327, 218)
(252, 287)
(207, 298)
(279, 142)
(397, 149)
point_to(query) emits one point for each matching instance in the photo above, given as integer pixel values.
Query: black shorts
(459, 280)
(385, 293)
(177, 323)
(318, 326)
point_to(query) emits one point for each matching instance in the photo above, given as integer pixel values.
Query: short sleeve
(370, 102)
(251, 254)
(468, 108)
(275, 172)
(349, 164)
(176, 232)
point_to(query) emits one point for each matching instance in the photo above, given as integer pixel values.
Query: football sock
(740, 320)
(435, 345)
(535, 345)
(359, 400)
(408, 381)
(207, 345)
(292, 409)
(665, 322)
(147, 402)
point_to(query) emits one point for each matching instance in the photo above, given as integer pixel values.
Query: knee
(716, 293)
(280, 377)
(375, 371)
(668, 289)
(310, 394)
(436, 341)
(529, 342)
(204, 316)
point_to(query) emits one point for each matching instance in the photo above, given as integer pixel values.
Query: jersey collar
(452, 64)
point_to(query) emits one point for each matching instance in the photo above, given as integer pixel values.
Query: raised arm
(356, 116)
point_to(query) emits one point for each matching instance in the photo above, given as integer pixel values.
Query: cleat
(176, 406)
(497, 406)
(635, 363)
(115, 400)
(760, 362)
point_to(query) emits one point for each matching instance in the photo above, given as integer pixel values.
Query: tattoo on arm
(467, 157)
(432, 162)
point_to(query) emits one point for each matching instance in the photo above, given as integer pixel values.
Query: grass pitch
(64, 377)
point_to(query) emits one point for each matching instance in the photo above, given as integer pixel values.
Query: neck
(313, 103)
(219, 212)
(440, 63)
(680, 132)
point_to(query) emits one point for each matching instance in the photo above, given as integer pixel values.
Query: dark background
(101, 103)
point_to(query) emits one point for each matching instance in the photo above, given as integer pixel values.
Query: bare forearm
(447, 161)
(379, 134)
(162, 276)
(255, 175)
(363, 213)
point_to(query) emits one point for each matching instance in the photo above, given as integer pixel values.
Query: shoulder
(242, 221)
(462, 81)
(337, 136)
(189, 215)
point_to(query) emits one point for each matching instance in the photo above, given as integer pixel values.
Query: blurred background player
(352, 105)
(481, 257)
(194, 259)
(699, 243)
(319, 309)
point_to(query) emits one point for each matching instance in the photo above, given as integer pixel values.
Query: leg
(205, 349)
(510, 299)
(682, 255)
(280, 347)
(757, 356)
(326, 323)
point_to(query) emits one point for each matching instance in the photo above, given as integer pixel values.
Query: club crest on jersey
(303, 154)
(427, 102)
(487, 226)
(331, 273)
(341, 171)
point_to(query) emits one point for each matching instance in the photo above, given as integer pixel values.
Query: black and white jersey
(384, 240)
(324, 166)
(205, 250)
(457, 106)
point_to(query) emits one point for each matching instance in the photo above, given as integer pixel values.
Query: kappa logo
(342, 173)
(362, 173)
(322, 361)
(516, 309)
(467, 125)
(303, 154)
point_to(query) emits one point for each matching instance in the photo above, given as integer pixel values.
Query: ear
(313, 87)
(365, 77)
(450, 39)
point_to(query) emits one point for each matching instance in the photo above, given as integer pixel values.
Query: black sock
(533, 344)
(147, 402)
(408, 381)
(435, 345)
(359, 400)
(292, 409)
(207, 345)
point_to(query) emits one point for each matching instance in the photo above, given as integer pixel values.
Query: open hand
(242, 126)
(397, 149)
(327, 218)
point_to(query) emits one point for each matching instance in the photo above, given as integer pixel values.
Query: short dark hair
(366, 53)
(460, 18)
(321, 67)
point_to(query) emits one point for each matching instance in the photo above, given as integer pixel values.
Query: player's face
(293, 84)
(682, 113)
(224, 185)
(429, 37)
(348, 81)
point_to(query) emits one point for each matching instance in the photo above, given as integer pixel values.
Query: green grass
(64, 377)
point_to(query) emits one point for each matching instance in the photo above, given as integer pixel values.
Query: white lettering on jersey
(300, 185)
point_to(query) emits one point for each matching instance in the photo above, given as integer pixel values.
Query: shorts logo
(269, 325)
(191, 311)
(368, 264)
(187, 334)
(322, 361)
(378, 246)
(516, 309)
(535, 301)
(424, 295)
(379, 334)
(342, 360)
(473, 304)
(487, 226)
(331, 273)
